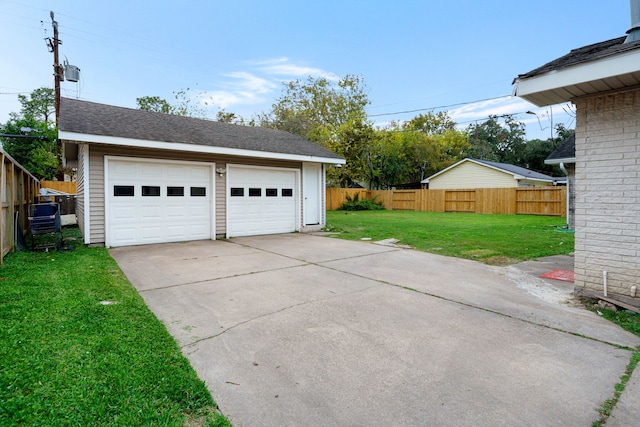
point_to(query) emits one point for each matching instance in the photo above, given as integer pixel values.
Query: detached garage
(146, 177)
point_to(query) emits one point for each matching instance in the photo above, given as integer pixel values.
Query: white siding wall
(607, 186)
(472, 175)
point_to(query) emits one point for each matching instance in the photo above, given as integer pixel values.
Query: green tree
(498, 141)
(315, 109)
(407, 152)
(431, 123)
(186, 103)
(40, 104)
(36, 154)
(535, 153)
(562, 133)
(225, 117)
(351, 142)
(39, 154)
(330, 113)
(154, 103)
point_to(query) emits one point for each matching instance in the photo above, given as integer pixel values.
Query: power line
(439, 107)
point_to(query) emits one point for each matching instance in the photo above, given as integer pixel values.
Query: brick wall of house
(607, 184)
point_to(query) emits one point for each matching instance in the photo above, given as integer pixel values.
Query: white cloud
(258, 84)
(282, 67)
(495, 107)
(240, 88)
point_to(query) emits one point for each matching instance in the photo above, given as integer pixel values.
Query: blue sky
(413, 55)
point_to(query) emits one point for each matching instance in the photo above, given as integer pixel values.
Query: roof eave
(554, 87)
(536, 179)
(558, 161)
(194, 148)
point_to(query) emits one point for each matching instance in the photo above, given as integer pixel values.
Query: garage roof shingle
(84, 117)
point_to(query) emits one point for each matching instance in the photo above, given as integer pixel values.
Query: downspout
(564, 171)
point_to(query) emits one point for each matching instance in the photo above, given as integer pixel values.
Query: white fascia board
(194, 148)
(577, 74)
(523, 178)
(558, 161)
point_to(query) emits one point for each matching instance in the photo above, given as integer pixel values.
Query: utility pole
(58, 76)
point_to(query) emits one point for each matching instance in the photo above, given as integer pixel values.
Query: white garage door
(156, 202)
(261, 200)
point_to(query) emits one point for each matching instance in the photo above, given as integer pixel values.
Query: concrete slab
(318, 331)
(173, 264)
(386, 356)
(505, 290)
(543, 265)
(298, 246)
(627, 411)
(203, 310)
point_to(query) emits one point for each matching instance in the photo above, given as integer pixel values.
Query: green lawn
(493, 239)
(78, 346)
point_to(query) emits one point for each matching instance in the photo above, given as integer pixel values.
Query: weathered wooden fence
(551, 201)
(17, 190)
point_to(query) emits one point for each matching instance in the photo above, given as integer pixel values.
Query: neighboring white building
(474, 173)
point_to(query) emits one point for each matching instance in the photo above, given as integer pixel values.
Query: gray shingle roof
(91, 118)
(585, 54)
(516, 170)
(566, 150)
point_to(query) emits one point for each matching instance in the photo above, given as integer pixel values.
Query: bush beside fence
(549, 201)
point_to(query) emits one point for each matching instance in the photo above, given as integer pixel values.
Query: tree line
(333, 115)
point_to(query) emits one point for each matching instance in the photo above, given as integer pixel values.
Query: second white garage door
(149, 201)
(261, 200)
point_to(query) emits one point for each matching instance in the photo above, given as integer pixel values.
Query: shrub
(355, 204)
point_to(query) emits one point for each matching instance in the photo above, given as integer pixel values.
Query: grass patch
(70, 358)
(493, 239)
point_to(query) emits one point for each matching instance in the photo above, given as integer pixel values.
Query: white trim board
(193, 148)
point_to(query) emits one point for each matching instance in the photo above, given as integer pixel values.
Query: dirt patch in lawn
(500, 261)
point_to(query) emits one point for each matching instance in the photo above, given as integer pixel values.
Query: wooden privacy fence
(551, 201)
(64, 186)
(18, 189)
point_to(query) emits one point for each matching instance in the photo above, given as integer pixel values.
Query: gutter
(564, 171)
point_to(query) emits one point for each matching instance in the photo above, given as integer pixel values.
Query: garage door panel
(126, 235)
(176, 212)
(174, 231)
(199, 174)
(252, 215)
(123, 170)
(124, 214)
(150, 170)
(156, 217)
(151, 232)
(151, 213)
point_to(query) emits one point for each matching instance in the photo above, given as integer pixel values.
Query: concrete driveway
(306, 330)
